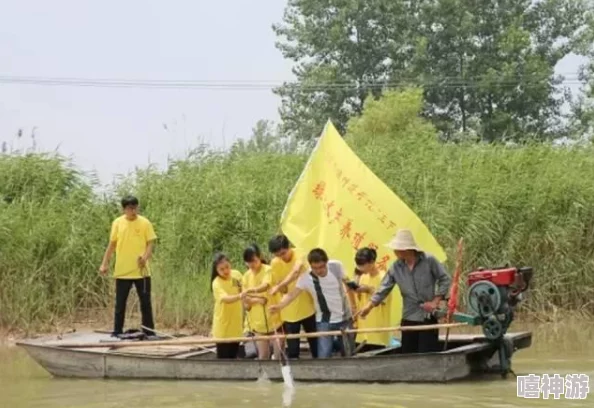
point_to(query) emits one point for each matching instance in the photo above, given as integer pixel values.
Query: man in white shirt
(326, 282)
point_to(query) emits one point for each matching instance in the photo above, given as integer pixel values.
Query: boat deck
(465, 354)
(456, 343)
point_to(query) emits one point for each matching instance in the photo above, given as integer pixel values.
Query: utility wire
(524, 81)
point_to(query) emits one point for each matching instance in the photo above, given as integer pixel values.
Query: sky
(112, 130)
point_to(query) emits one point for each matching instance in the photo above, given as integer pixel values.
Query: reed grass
(523, 205)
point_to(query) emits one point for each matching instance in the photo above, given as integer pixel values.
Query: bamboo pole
(454, 288)
(120, 344)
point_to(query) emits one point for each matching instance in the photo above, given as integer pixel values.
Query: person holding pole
(227, 319)
(417, 274)
(256, 282)
(287, 266)
(369, 282)
(327, 283)
(132, 239)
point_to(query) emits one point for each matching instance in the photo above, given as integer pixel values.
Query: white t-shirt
(331, 290)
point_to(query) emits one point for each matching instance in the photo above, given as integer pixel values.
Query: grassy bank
(523, 205)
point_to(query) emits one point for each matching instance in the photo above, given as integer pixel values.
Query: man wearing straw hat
(417, 274)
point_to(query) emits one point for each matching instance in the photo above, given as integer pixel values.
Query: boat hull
(454, 364)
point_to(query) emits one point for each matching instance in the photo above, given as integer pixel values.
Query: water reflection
(562, 348)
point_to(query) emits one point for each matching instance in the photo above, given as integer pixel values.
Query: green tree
(485, 65)
(494, 63)
(344, 50)
(266, 137)
(583, 106)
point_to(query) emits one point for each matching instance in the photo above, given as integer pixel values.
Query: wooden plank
(372, 353)
(268, 337)
(194, 353)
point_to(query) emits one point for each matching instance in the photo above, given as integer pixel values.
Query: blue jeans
(326, 343)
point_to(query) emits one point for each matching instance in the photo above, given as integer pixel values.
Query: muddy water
(556, 349)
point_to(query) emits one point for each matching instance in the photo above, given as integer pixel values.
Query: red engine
(515, 278)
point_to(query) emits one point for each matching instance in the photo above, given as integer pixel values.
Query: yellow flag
(338, 204)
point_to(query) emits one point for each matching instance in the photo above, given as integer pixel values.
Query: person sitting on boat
(227, 321)
(416, 273)
(369, 281)
(256, 281)
(132, 239)
(325, 282)
(286, 266)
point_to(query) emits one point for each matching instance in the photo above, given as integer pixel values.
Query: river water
(556, 349)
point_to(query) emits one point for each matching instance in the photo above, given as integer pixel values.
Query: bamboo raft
(93, 355)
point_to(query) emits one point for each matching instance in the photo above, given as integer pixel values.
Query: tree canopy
(486, 66)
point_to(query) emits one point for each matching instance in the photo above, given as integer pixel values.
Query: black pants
(309, 325)
(425, 341)
(227, 350)
(143, 289)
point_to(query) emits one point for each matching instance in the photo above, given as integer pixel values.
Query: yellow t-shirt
(378, 317)
(227, 320)
(256, 319)
(303, 305)
(131, 238)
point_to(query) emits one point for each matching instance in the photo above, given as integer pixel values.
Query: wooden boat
(466, 356)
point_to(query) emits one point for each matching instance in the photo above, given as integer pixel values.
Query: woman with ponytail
(228, 311)
(256, 282)
(370, 279)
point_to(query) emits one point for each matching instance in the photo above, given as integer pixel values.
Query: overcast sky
(111, 130)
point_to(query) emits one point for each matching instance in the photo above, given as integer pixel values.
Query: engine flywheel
(483, 298)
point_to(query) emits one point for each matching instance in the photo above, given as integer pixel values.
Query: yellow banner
(338, 204)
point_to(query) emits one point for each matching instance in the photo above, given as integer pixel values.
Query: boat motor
(491, 299)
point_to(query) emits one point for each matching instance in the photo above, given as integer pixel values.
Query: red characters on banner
(319, 190)
(357, 239)
(337, 216)
(383, 263)
(345, 232)
(383, 218)
(345, 181)
(329, 207)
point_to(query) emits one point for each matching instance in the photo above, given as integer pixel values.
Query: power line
(526, 81)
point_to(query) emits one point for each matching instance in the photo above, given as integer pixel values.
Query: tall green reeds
(523, 205)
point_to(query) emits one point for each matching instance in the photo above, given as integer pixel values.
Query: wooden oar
(118, 344)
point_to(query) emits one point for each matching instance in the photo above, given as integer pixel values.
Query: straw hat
(403, 241)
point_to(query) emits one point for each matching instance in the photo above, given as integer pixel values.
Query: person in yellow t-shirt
(132, 239)
(287, 266)
(256, 281)
(370, 280)
(356, 278)
(227, 319)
